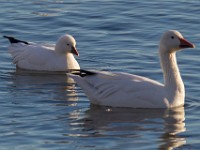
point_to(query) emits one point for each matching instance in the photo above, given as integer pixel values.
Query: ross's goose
(32, 56)
(127, 90)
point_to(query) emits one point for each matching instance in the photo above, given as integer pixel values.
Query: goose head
(66, 44)
(172, 41)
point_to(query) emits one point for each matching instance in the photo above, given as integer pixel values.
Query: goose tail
(14, 40)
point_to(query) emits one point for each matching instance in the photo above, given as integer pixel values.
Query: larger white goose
(32, 56)
(127, 90)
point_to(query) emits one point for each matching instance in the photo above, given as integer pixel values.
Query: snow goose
(127, 90)
(32, 56)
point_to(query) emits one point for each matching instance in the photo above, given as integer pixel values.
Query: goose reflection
(137, 123)
(35, 85)
(174, 124)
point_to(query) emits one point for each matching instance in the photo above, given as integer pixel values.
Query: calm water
(45, 111)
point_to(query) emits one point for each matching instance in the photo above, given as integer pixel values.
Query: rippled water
(45, 111)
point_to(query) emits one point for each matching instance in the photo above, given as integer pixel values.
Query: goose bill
(74, 51)
(185, 44)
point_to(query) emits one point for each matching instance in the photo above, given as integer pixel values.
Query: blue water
(44, 111)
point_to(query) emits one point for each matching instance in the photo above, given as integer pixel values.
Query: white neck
(71, 62)
(172, 79)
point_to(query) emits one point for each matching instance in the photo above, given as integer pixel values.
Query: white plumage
(127, 90)
(46, 57)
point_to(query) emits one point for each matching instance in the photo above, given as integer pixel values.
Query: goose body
(46, 57)
(128, 90)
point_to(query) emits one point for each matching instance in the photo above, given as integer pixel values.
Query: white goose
(32, 56)
(127, 90)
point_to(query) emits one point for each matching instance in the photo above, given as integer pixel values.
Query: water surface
(45, 111)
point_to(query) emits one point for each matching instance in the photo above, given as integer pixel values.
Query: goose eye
(67, 44)
(172, 37)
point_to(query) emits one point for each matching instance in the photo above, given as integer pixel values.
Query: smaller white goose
(127, 90)
(32, 56)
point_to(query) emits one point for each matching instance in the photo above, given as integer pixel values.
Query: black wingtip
(13, 40)
(82, 72)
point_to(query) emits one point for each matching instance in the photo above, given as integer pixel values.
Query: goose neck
(172, 77)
